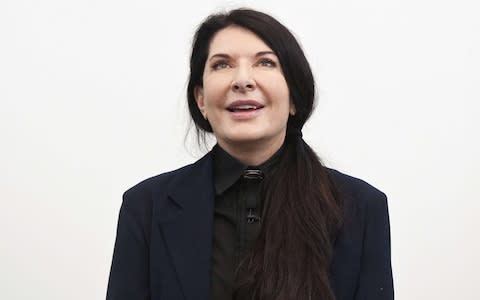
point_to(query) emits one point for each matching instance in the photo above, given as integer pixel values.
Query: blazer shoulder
(159, 185)
(147, 187)
(365, 232)
(357, 189)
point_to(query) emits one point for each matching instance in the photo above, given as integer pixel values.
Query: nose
(243, 80)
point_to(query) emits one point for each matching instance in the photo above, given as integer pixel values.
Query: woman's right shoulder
(152, 185)
(158, 186)
(138, 200)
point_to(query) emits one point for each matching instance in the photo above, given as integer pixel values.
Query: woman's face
(245, 96)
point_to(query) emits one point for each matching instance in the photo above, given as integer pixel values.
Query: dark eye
(220, 65)
(266, 62)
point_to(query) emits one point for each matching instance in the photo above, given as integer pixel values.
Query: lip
(247, 114)
(245, 102)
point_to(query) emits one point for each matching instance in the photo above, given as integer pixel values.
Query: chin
(244, 138)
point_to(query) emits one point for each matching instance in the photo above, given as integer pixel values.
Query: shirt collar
(228, 169)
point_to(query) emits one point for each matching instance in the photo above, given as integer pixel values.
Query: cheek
(278, 90)
(214, 91)
(283, 92)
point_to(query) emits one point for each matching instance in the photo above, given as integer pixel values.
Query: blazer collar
(187, 226)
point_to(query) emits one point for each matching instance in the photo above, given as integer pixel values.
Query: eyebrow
(224, 55)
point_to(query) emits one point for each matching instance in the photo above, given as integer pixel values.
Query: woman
(258, 217)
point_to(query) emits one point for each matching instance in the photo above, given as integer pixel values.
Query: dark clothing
(237, 216)
(163, 248)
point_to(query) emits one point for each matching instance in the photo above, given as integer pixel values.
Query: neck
(252, 153)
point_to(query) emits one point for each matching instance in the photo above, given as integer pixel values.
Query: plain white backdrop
(92, 98)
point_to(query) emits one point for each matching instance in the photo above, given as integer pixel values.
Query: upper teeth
(245, 107)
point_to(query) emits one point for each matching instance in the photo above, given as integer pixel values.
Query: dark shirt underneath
(237, 215)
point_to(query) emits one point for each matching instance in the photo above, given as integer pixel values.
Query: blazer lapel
(188, 229)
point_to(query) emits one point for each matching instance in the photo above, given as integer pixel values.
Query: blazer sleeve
(129, 273)
(375, 280)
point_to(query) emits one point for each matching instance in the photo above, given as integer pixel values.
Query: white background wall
(92, 100)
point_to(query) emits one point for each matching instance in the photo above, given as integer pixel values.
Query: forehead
(235, 40)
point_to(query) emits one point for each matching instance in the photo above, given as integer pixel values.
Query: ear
(293, 110)
(198, 91)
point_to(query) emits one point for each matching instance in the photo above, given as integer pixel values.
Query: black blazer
(164, 239)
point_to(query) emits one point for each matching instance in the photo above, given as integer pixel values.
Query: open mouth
(243, 108)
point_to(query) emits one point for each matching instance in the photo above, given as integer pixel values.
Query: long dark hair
(303, 210)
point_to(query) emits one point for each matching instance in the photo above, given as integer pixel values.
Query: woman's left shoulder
(356, 189)
(362, 258)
